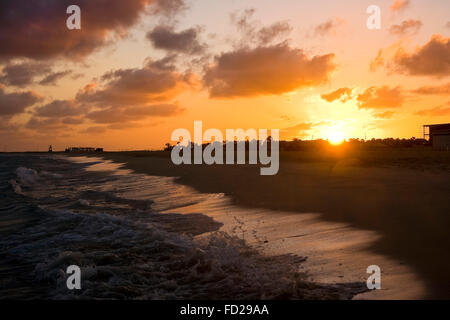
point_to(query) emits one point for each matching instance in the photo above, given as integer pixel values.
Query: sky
(139, 69)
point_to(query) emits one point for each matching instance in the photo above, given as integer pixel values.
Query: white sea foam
(16, 187)
(127, 251)
(84, 202)
(50, 174)
(27, 176)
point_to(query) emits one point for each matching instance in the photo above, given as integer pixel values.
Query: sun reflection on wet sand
(336, 253)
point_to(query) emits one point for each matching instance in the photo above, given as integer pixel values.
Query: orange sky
(143, 68)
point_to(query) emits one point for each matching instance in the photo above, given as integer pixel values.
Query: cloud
(54, 77)
(380, 98)
(123, 115)
(344, 94)
(122, 96)
(252, 32)
(56, 115)
(273, 32)
(437, 112)
(407, 26)
(59, 109)
(138, 86)
(186, 41)
(16, 102)
(23, 74)
(242, 21)
(378, 62)
(8, 128)
(441, 90)
(94, 130)
(37, 29)
(448, 25)
(431, 59)
(328, 27)
(383, 115)
(400, 5)
(297, 131)
(44, 124)
(265, 70)
(72, 120)
(168, 8)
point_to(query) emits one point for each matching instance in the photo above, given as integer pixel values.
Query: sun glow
(336, 137)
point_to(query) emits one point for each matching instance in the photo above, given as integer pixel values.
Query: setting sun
(336, 137)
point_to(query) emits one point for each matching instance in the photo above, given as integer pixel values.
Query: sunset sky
(139, 69)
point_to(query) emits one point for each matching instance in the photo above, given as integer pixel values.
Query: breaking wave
(125, 249)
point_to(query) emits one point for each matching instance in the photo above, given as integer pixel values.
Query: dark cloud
(124, 115)
(167, 63)
(329, 27)
(273, 32)
(265, 70)
(437, 112)
(59, 109)
(380, 98)
(168, 8)
(56, 115)
(407, 26)
(125, 87)
(77, 76)
(431, 59)
(16, 102)
(343, 94)
(37, 29)
(44, 124)
(252, 32)
(186, 41)
(441, 90)
(54, 77)
(23, 74)
(121, 96)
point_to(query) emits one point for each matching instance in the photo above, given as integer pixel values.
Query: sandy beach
(392, 212)
(131, 239)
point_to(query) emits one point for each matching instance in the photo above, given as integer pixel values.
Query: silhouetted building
(438, 135)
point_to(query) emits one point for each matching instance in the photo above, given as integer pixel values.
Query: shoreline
(393, 200)
(126, 250)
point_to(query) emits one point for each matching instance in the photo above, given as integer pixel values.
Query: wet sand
(394, 217)
(56, 213)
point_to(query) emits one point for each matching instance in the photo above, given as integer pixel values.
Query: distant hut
(438, 135)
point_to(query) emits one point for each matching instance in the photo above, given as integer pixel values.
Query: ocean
(125, 233)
